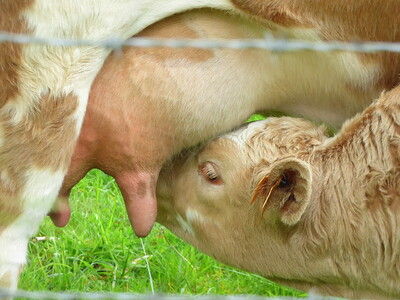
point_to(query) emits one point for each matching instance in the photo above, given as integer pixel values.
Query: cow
(44, 91)
(43, 95)
(282, 199)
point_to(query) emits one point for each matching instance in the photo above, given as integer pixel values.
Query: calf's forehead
(242, 155)
(242, 135)
(285, 134)
(262, 142)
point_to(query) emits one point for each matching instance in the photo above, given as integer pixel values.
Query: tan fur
(10, 54)
(339, 21)
(342, 241)
(5, 280)
(54, 118)
(36, 140)
(171, 28)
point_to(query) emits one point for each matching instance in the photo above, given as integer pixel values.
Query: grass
(98, 251)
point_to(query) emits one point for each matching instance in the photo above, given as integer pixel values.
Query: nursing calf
(324, 211)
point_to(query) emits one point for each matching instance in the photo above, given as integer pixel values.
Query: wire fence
(267, 43)
(130, 296)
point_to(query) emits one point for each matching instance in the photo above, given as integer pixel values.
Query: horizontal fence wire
(267, 43)
(131, 296)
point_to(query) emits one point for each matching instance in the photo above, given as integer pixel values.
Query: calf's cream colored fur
(326, 210)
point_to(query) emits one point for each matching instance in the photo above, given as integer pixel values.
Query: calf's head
(205, 197)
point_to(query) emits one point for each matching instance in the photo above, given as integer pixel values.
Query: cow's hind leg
(35, 150)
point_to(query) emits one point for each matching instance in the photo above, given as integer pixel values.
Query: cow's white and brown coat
(44, 89)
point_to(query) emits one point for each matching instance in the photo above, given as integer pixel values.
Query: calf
(325, 210)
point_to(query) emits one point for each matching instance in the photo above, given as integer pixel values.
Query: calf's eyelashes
(209, 171)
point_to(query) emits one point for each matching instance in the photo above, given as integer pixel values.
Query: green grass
(98, 251)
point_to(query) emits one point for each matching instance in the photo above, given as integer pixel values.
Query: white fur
(241, 136)
(5, 178)
(194, 216)
(186, 226)
(39, 196)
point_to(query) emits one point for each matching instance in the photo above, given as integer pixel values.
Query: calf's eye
(208, 171)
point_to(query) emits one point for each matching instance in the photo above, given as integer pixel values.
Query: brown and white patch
(11, 20)
(174, 27)
(44, 139)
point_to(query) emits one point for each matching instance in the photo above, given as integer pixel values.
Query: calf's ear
(286, 188)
